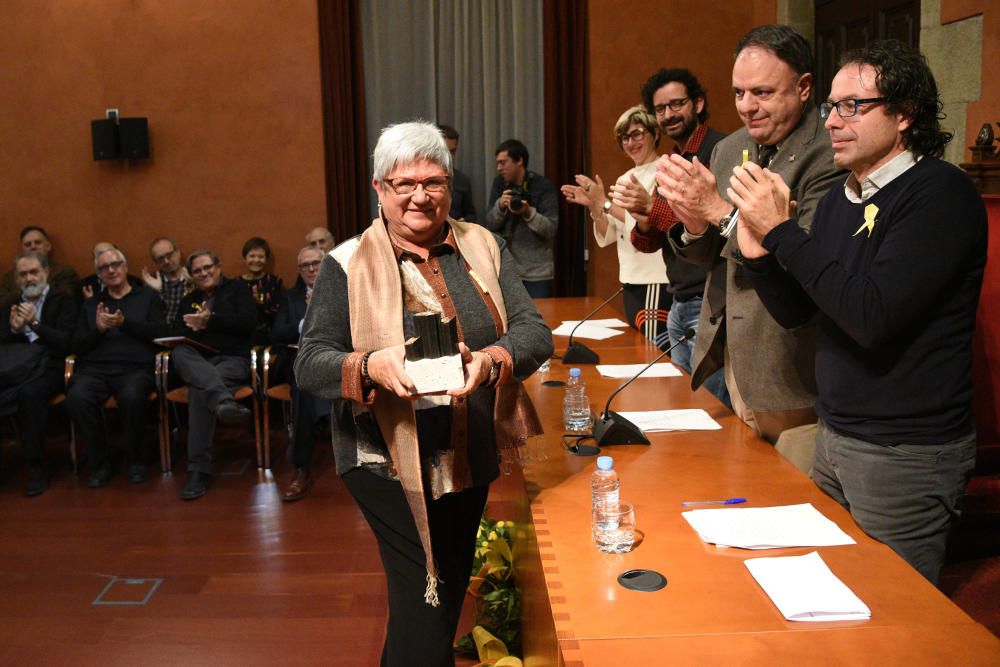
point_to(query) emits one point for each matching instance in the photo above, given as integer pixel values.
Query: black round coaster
(553, 383)
(642, 580)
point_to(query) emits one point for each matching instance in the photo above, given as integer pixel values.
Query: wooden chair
(109, 404)
(180, 395)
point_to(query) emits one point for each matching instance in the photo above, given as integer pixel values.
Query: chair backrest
(986, 351)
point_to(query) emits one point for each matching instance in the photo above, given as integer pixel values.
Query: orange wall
(984, 110)
(232, 92)
(628, 44)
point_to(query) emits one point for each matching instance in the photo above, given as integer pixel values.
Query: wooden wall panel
(232, 92)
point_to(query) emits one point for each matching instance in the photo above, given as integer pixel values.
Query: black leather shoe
(136, 473)
(231, 413)
(196, 486)
(38, 481)
(100, 477)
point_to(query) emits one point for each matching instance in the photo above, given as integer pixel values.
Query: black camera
(518, 197)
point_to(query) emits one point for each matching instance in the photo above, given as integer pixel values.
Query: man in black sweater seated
(115, 357)
(307, 410)
(894, 265)
(220, 314)
(34, 347)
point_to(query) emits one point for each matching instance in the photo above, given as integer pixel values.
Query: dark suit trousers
(306, 411)
(33, 406)
(210, 381)
(90, 387)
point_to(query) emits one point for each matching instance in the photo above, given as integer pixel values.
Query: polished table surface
(712, 609)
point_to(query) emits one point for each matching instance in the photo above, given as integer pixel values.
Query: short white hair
(405, 143)
(115, 249)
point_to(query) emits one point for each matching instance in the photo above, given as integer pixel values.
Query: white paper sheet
(612, 323)
(664, 370)
(804, 589)
(694, 419)
(767, 527)
(586, 330)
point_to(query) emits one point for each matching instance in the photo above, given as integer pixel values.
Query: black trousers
(417, 631)
(90, 387)
(307, 410)
(33, 407)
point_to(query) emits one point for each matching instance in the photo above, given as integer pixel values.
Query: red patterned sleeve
(352, 386)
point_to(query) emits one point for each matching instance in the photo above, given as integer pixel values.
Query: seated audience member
(61, 278)
(92, 284)
(265, 287)
(115, 357)
(320, 237)
(524, 211)
(220, 313)
(462, 206)
(33, 349)
(307, 410)
(170, 278)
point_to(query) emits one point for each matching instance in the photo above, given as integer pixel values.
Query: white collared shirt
(857, 193)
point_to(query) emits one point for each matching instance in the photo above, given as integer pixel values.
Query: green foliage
(498, 602)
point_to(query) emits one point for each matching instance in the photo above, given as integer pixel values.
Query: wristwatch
(728, 222)
(33, 324)
(607, 206)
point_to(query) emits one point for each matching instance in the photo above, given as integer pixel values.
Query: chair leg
(267, 430)
(262, 460)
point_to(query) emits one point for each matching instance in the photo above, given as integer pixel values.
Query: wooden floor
(132, 575)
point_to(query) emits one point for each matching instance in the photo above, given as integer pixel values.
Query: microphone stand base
(613, 429)
(577, 353)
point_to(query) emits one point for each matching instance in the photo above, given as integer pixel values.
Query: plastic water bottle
(576, 405)
(604, 493)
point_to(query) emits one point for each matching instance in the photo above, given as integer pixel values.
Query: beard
(33, 291)
(681, 130)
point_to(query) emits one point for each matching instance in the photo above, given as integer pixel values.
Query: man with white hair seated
(115, 353)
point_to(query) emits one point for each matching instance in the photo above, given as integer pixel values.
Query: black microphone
(578, 353)
(612, 428)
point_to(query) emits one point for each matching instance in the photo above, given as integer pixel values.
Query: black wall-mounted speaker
(128, 139)
(104, 136)
(133, 138)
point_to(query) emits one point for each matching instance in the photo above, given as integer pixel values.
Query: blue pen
(728, 501)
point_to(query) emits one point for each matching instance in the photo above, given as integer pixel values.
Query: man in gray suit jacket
(769, 370)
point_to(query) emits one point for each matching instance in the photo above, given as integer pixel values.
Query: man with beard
(44, 318)
(680, 104)
(61, 278)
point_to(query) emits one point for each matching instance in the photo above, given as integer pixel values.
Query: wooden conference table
(712, 611)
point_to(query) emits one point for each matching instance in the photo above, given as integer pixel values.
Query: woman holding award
(419, 466)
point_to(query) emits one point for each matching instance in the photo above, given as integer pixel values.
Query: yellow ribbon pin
(870, 212)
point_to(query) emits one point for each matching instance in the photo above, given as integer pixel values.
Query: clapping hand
(153, 280)
(632, 196)
(690, 189)
(198, 321)
(107, 319)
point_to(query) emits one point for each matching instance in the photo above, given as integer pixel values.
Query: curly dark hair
(680, 75)
(905, 80)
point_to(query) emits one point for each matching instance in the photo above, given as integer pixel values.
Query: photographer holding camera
(524, 210)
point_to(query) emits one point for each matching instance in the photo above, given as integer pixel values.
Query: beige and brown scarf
(375, 297)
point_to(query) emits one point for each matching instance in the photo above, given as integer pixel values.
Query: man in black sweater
(115, 357)
(894, 265)
(221, 315)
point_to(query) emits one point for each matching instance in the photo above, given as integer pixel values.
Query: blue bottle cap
(605, 462)
(574, 372)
